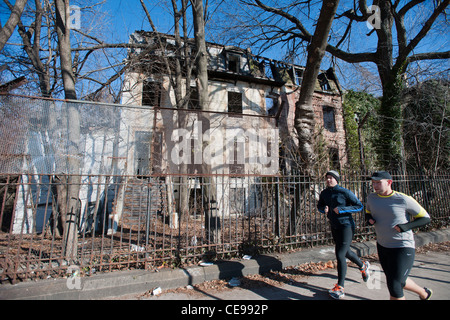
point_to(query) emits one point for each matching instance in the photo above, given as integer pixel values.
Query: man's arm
(368, 216)
(355, 204)
(417, 223)
(321, 204)
(420, 215)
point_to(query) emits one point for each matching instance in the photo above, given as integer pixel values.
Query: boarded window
(234, 102)
(329, 122)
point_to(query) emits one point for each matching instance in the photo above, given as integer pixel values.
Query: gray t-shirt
(389, 211)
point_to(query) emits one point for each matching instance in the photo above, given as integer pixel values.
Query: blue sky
(120, 18)
(123, 16)
(128, 16)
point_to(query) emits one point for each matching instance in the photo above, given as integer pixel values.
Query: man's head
(332, 178)
(382, 183)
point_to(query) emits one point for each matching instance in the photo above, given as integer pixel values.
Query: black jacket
(344, 200)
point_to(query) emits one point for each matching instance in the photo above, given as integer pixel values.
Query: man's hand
(327, 209)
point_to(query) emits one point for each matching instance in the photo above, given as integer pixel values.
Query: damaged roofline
(281, 72)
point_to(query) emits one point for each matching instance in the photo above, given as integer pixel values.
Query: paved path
(431, 269)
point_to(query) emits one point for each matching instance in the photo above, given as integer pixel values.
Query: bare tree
(396, 43)
(42, 66)
(173, 68)
(179, 73)
(38, 57)
(7, 30)
(392, 65)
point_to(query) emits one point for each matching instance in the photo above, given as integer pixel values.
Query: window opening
(271, 105)
(298, 75)
(233, 63)
(194, 99)
(234, 102)
(151, 93)
(334, 158)
(323, 81)
(329, 122)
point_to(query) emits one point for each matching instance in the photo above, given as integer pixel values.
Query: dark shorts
(396, 264)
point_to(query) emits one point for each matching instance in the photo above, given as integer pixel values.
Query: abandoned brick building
(250, 113)
(245, 90)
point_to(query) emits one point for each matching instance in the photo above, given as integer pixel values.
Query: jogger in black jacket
(339, 204)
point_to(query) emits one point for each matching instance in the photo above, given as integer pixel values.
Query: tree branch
(112, 46)
(12, 22)
(352, 57)
(423, 32)
(286, 15)
(428, 56)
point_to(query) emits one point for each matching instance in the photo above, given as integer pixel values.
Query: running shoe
(429, 294)
(365, 271)
(337, 292)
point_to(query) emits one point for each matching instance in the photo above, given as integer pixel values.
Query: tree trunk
(304, 112)
(388, 142)
(68, 192)
(182, 102)
(212, 218)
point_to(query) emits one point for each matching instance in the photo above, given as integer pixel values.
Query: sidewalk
(432, 269)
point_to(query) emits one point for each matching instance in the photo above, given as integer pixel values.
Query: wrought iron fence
(124, 222)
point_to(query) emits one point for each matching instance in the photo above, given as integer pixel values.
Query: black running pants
(396, 264)
(343, 239)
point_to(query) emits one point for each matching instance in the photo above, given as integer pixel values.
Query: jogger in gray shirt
(390, 212)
